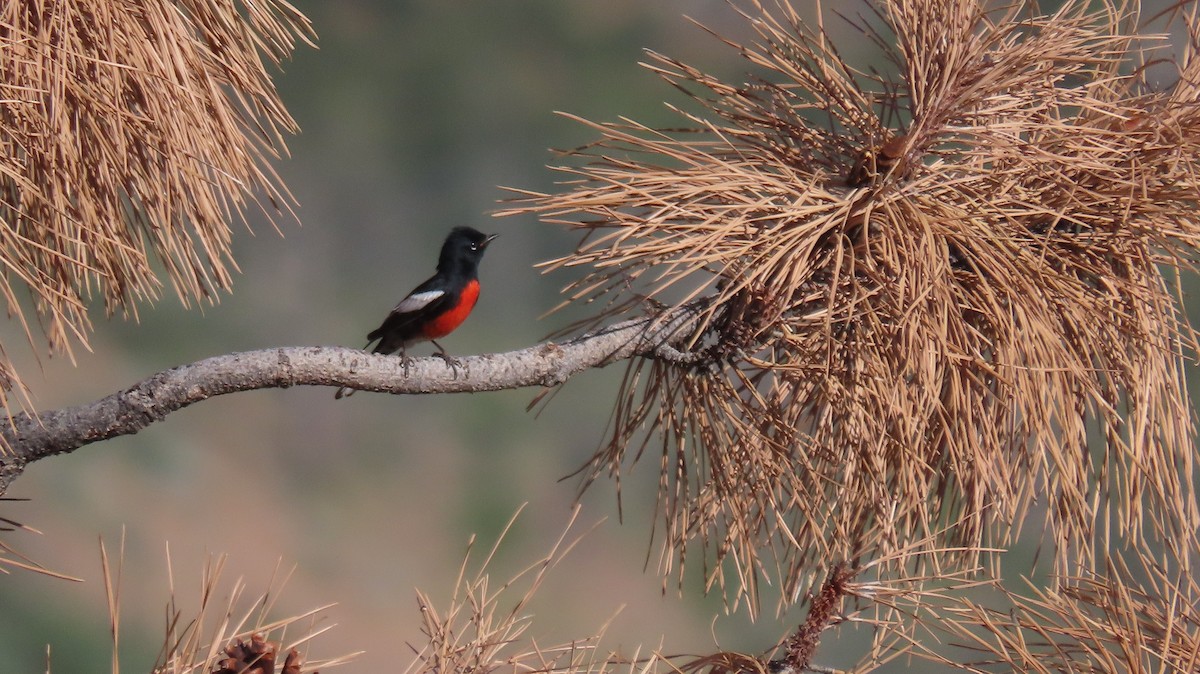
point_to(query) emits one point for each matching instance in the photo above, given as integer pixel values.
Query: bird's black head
(463, 250)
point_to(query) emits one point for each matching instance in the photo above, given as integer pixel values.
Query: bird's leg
(451, 361)
(405, 360)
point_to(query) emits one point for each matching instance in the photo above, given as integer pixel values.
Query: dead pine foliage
(486, 624)
(132, 134)
(942, 295)
(224, 633)
(1137, 613)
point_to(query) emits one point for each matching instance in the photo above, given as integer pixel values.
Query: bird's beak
(488, 240)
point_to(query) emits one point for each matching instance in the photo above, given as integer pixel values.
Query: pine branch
(29, 437)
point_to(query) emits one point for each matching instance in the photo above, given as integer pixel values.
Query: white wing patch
(417, 301)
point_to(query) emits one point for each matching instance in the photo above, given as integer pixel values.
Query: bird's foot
(452, 362)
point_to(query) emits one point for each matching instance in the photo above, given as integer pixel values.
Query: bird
(439, 305)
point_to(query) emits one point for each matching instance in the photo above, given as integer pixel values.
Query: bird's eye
(474, 246)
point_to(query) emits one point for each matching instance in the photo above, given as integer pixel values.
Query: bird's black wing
(404, 322)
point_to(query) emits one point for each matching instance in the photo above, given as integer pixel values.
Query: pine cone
(256, 657)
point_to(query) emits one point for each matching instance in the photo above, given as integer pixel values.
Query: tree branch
(29, 437)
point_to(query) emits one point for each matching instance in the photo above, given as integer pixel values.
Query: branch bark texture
(29, 437)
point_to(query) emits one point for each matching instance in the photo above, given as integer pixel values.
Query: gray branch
(29, 437)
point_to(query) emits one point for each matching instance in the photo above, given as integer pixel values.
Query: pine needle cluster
(941, 298)
(131, 135)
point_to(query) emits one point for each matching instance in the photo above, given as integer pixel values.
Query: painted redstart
(439, 305)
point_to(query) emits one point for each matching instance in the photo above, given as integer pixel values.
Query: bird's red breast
(453, 317)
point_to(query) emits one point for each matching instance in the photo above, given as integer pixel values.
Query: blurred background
(413, 113)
